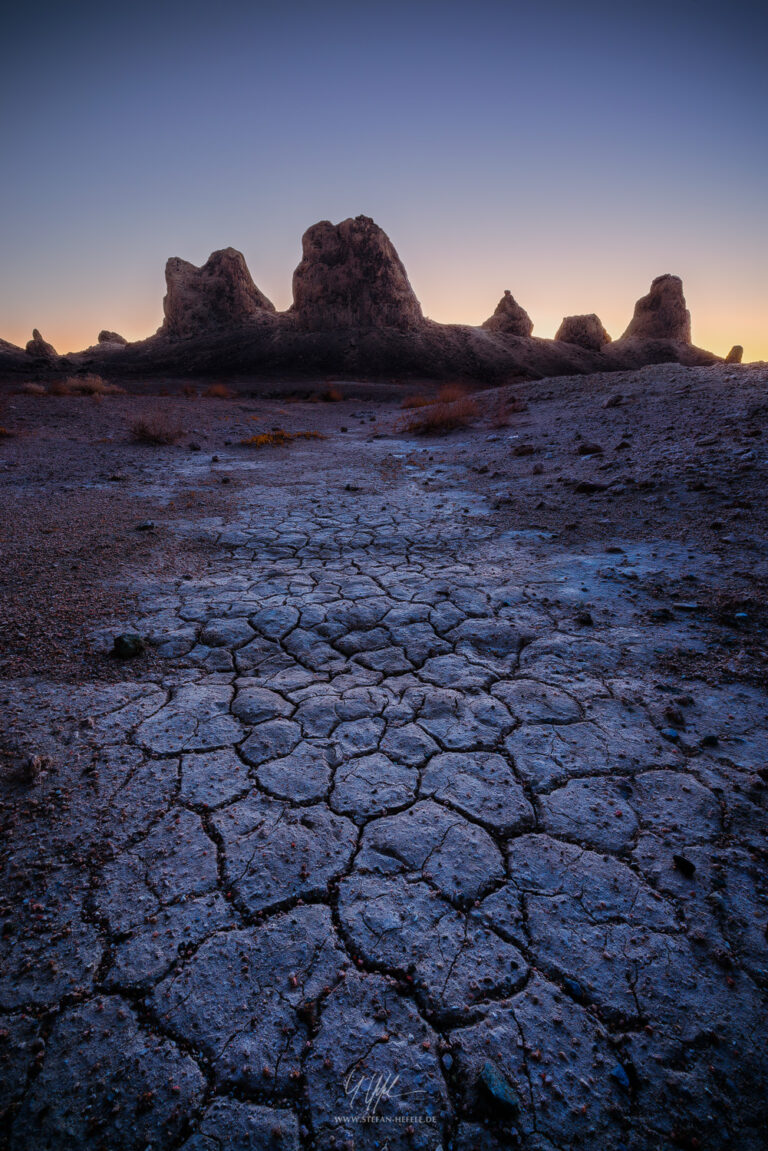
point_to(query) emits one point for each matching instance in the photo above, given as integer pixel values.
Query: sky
(569, 152)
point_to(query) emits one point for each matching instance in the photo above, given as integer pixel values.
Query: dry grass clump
(90, 385)
(33, 389)
(155, 430)
(6, 433)
(279, 438)
(443, 416)
(504, 409)
(189, 391)
(60, 388)
(219, 392)
(416, 401)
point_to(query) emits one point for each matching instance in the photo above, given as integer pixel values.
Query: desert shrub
(189, 390)
(89, 386)
(279, 438)
(440, 418)
(219, 392)
(59, 388)
(5, 433)
(33, 389)
(416, 402)
(155, 430)
(331, 395)
(451, 393)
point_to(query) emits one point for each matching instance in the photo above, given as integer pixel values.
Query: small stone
(684, 866)
(500, 1089)
(619, 1075)
(709, 741)
(584, 617)
(194, 447)
(613, 401)
(127, 645)
(670, 734)
(145, 526)
(574, 989)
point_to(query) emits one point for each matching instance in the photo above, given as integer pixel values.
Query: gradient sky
(567, 151)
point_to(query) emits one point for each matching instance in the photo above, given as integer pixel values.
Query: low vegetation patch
(155, 430)
(90, 386)
(33, 389)
(417, 401)
(279, 438)
(219, 392)
(6, 433)
(453, 409)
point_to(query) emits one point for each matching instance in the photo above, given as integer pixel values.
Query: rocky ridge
(354, 310)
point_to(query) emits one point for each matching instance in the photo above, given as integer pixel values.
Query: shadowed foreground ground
(436, 816)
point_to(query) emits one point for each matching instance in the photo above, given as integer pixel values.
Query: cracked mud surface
(416, 814)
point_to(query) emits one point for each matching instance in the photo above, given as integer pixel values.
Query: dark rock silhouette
(585, 331)
(219, 294)
(350, 276)
(662, 314)
(735, 354)
(39, 348)
(355, 312)
(509, 318)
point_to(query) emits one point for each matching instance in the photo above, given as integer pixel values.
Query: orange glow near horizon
(717, 335)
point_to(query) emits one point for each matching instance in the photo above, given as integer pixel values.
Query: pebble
(127, 645)
(499, 1089)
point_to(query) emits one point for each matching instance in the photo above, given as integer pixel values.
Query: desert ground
(432, 814)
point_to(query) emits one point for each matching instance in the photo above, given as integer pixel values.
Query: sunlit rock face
(106, 337)
(585, 331)
(509, 318)
(735, 355)
(219, 294)
(40, 348)
(662, 314)
(350, 276)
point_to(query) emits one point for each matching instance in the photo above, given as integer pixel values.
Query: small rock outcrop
(106, 337)
(509, 318)
(735, 354)
(40, 348)
(662, 314)
(585, 331)
(219, 294)
(350, 276)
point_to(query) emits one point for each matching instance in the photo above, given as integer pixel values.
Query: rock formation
(509, 318)
(585, 331)
(219, 294)
(39, 348)
(350, 276)
(735, 354)
(355, 312)
(662, 314)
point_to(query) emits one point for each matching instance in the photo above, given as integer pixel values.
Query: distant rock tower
(509, 318)
(219, 294)
(662, 314)
(350, 276)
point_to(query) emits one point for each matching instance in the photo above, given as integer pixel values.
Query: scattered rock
(127, 645)
(499, 1089)
(106, 337)
(735, 354)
